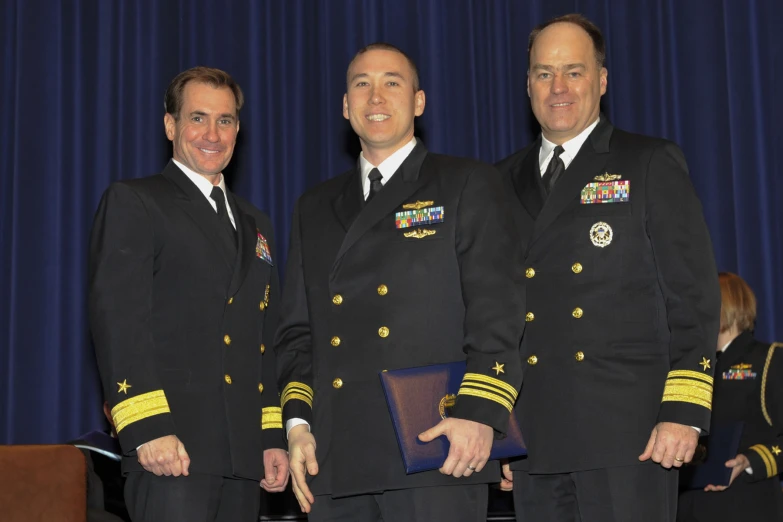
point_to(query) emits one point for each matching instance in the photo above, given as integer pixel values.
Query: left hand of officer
(671, 444)
(739, 464)
(275, 470)
(470, 442)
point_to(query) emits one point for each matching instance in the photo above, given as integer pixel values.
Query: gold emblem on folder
(445, 405)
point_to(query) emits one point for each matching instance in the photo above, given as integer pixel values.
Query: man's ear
(420, 100)
(170, 124)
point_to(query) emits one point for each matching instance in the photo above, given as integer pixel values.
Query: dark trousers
(195, 498)
(641, 493)
(433, 504)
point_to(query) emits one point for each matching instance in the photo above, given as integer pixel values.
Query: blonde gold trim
(687, 398)
(490, 380)
(420, 233)
(139, 407)
(293, 395)
(297, 390)
(493, 389)
(688, 382)
(764, 410)
(691, 391)
(300, 386)
(691, 375)
(418, 205)
(769, 460)
(271, 417)
(486, 395)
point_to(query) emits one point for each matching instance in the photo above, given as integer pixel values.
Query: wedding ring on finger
(678, 459)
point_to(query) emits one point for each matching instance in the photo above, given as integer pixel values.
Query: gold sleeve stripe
(768, 458)
(764, 410)
(696, 385)
(491, 381)
(271, 417)
(294, 395)
(298, 387)
(691, 375)
(686, 389)
(139, 407)
(486, 395)
(687, 398)
(503, 394)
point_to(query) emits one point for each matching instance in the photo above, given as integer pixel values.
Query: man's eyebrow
(389, 74)
(551, 68)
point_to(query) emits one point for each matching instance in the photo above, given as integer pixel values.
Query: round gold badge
(601, 234)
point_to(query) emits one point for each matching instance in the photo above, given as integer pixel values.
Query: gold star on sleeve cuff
(123, 386)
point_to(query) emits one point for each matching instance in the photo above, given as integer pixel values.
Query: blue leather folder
(722, 444)
(418, 399)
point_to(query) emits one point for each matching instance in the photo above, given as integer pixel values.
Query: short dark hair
(172, 101)
(737, 303)
(589, 27)
(383, 46)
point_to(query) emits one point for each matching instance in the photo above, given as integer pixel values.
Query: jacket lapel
(192, 201)
(350, 201)
(526, 178)
(404, 182)
(246, 241)
(589, 162)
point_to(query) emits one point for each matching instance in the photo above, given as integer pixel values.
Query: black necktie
(222, 212)
(375, 183)
(554, 170)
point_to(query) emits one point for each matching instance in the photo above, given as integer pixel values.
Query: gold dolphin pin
(608, 177)
(418, 205)
(420, 233)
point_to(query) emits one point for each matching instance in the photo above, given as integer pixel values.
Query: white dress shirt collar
(206, 187)
(387, 167)
(570, 148)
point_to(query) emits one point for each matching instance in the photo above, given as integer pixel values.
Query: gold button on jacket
(383, 290)
(227, 339)
(337, 383)
(263, 348)
(262, 306)
(337, 299)
(529, 317)
(532, 360)
(260, 388)
(577, 313)
(580, 356)
(230, 300)
(530, 273)
(335, 341)
(383, 331)
(576, 268)
(228, 379)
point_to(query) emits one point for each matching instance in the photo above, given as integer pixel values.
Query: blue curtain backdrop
(81, 106)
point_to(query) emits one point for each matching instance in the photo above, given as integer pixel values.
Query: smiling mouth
(209, 151)
(378, 117)
(564, 104)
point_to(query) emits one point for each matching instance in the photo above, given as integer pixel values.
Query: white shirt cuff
(290, 423)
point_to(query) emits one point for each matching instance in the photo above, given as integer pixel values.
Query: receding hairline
(382, 46)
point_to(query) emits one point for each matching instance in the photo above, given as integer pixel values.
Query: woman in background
(748, 388)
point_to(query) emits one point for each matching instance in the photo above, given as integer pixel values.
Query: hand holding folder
(418, 399)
